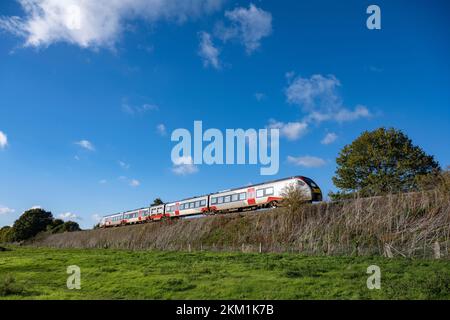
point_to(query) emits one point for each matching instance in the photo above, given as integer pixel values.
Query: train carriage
(190, 206)
(112, 220)
(267, 194)
(157, 212)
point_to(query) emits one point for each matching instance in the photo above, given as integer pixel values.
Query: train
(263, 195)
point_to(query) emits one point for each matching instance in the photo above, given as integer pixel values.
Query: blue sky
(86, 112)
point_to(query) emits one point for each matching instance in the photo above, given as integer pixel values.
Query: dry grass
(410, 225)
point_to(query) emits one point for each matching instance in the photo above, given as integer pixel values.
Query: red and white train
(262, 195)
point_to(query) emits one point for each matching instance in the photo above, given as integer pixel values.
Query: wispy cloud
(208, 52)
(184, 166)
(69, 216)
(124, 165)
(307, 161)
(6, 210)
(259, 96)
(36, 207)
(85, 144)
(96, 217)
(161, 129)
(103, 181)
(247, 25)
(134, 183)
(329, 138)
(141, 109)
(319, 98)
(3, 140)
(290, 130)
(94, 24)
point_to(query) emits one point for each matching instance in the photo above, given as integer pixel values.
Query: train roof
(258, 184)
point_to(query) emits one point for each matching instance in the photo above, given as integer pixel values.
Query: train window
(220, 200)
(213, 200)
(268, 191)
(191, 205)
(197, 204)
(260, 193)
(242, 196)
(203, 203)
(227, 199)
(234, 197)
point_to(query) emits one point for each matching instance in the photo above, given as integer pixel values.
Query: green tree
(380, 162)
(68, 226)
(30, 223)
(157, 202)
(6, 234)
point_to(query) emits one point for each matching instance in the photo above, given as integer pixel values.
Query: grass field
(30, 273)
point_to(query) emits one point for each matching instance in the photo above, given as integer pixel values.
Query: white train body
(267, 194)
(191, 206)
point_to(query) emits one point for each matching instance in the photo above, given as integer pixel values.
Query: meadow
(40, 273)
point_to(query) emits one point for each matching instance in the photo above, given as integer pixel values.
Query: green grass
(29, 273)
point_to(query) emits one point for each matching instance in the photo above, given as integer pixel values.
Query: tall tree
(379, 162)
(30, 223)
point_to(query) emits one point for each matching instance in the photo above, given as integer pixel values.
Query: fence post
(201, 247)
(260, 247)
(189, 246)
(437, 250)
(242, 247)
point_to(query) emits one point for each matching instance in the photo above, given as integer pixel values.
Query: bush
(69, 226)
(9, 286)
(6, 234)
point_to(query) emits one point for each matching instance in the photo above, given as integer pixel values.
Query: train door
(177, 209)
(251, 195)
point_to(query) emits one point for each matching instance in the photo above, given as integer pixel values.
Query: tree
(6, 234)
(68, 226)
(380, 162)
(157, 202)
(30, 223)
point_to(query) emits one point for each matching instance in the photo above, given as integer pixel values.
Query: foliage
(6, 234)
(106, 274)
(294, 198)
(380, 162)
(68, 226)
(10, 287)
(157, 202)
(30, 223)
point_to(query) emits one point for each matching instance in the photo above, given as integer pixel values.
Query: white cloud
(259, 96)
(248, 26)
(319, 98)
(329, 138)
(6, 210)
(94, 24)
(307, 161)
(290, 130)
(161, 129)
(124, 165)
(69, 216)
(85, 144)
(208, 52)
(36, 207)
(127, 108)
(3, 140)
(134, 183)
(96, 217)
(184, 166)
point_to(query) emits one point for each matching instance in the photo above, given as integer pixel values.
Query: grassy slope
(120, 274)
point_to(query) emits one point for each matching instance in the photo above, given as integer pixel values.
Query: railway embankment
(408, 225)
